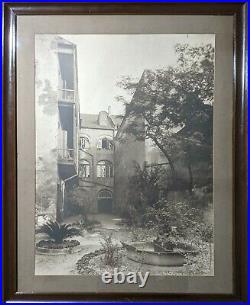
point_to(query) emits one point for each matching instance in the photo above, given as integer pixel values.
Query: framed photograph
(125, 152)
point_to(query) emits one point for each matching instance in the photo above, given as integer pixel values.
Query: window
(84, 143)
(105, 143)
(105, 194)
(84, 169)
(104, 169)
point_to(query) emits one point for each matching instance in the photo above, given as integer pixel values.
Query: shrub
(77, 202)
(201, 197)
(173, 241)
(201, 263)
(58, 232)
(74, 209)
(49, 244)
(111, 251)
(86, 224)
(165, 215)
(207, 232)
(140, 234)
(144, 186)
(131, 215)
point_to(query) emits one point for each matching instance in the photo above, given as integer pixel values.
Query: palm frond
(58, 232)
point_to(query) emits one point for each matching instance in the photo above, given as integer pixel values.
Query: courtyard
(91, 243)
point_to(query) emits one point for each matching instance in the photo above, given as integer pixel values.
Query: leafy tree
(173, 107)
(144, 186)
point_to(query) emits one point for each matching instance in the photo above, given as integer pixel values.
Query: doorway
(105, 202)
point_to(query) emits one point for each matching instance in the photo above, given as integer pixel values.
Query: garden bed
(83, 265)
(92, 264)
(50, 247)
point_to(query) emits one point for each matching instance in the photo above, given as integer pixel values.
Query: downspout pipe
(63, 182)
(67, 179)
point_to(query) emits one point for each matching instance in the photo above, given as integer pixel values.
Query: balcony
(66, 159)
(66, 95)
(66, 155)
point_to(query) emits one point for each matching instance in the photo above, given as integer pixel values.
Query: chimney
(103, 118)
(109, 110)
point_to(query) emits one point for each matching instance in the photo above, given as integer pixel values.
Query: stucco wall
(93, 155)
(128, 151)
(46, 112)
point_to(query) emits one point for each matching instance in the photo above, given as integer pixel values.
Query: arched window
(105, 143)
(84, 169)
(105, 194)
(104, 169)
(84, 143)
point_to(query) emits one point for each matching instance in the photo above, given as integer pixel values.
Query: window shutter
(99, 144)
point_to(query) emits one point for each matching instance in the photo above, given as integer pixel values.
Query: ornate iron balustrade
(66, 155)
(67, 95)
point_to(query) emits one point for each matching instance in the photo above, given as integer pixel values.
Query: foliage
(206, 232)
(46, 180)
(149, 208)
(148, 204)
(180, 225)
(85, 223)
(111, 251)
(173, 107)
(144, 186)
(172, 220)
(150, 184)
(58, 232)
(49, 244)
(202, 196)
(131, 216)
(201, 263)
(77, 202)
(142, 234)
(181, 215)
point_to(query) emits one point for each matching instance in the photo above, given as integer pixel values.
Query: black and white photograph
(124, 155)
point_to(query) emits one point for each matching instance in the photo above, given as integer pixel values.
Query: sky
(104, 59)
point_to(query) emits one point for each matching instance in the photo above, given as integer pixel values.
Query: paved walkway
(108, 221)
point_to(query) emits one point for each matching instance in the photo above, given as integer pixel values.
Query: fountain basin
(145, 253)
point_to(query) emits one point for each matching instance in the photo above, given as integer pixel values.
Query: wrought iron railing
(66, 155)
(67, 95)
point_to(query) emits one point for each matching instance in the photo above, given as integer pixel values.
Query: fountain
(152, 254)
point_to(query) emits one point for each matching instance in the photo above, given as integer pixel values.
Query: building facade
(91, 154)
(97, 160)
(108, 156)
(129, 152)
(57, 123)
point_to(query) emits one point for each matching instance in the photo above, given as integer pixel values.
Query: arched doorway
(105, 201)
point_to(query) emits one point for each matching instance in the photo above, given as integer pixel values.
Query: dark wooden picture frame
(11, 11)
